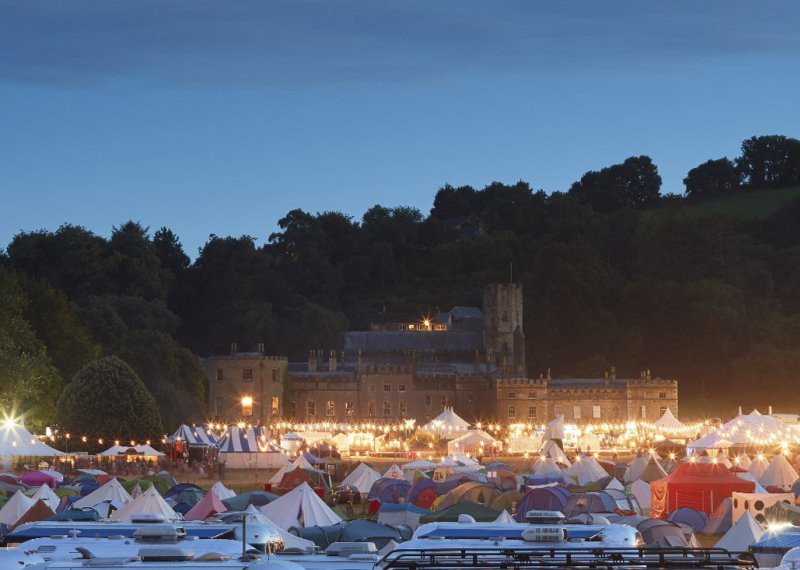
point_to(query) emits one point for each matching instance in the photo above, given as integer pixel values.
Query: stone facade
(504, 338)
(246, 386)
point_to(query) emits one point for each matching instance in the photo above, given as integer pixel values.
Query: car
(346, 494)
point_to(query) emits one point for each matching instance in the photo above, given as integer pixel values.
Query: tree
(107, 399)
(633, 184)
(713, 177)
(770, 162)
(29, 383)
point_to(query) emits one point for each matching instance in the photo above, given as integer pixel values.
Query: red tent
(208, 506)
(700, 486)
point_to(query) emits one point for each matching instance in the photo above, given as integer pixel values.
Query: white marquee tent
(16, 441)
(472, 441)
(447, 425)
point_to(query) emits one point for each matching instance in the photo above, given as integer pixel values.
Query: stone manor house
(412, 368)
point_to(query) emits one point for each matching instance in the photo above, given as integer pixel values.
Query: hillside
(756, 205)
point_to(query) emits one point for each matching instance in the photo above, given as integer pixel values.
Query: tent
(641, 490)
(149, 502)
(652, 471)
(357, 530)
(635, 467)
(250, 448)
(668, 423)
(473, 441)
(505, 518)
(111, 491)
(195, 435)
(250, 498)
(779, 473)
(758, 466)
(502, 479)
(658, 532)
(401, 514)
(546, 471)
(300, 507)
(469, 491)
(614, 483)
(551, 449)
(702, 486)
(14, 508)
(480, 513)
(394, 472)
(422, 493)
(296, 476)
(289, 540)
(507, 501)
(208, 506)
(548, 498)
(748, 430)
(722, 519)
(46, 494)
(37, 479)
(16, 441)
(362, 478)
(742, 460)
(742, 535)
(688, 516)
(222, 491)
(143, 451)
(389, 490)
(554, 429)
(585, 470)
(594, 502)
(38, 512)
(447, 425)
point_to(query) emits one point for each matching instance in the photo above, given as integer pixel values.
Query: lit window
(387, 408)
(531, 412)
(247, 406)
(662, 395)
(311, 408)
(596, 412)
(371, 409)
(576, 412)
(276, 405)
(247, 374)
(403, 408)
(330, 408)
(512, 412)
(643, 412)
(349, 409)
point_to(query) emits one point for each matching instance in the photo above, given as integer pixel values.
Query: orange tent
(208, 506)
(38, 512)
(700, 486)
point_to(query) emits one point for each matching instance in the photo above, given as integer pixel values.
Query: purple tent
(37, 479)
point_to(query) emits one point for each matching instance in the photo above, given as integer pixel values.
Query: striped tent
(194, 435)
(247, 447)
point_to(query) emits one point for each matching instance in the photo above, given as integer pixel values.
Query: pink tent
(208, 506)
(37, 479)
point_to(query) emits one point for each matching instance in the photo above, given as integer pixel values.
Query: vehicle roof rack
(507, 558)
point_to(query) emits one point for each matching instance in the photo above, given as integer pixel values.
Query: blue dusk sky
(220, 117)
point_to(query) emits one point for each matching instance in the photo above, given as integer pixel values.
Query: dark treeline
(614, 273)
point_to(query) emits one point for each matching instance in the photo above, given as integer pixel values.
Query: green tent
(476, 511)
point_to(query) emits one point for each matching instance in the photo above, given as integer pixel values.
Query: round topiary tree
(107, 399)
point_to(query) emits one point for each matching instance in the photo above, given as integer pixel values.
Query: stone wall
(234, 378)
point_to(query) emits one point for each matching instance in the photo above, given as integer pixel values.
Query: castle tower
(503, 334)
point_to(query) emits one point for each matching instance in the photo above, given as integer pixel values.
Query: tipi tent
(546, 471)
(635, 468)
(46, 495)
(222, 491)
(551, 449)
(149, 502)
(615, 485)
(759, 490)
(652, 471)
(742, 460)
(300, 507)
(742, 535)
(447, 425)
(38, 512)
(505, 518)
(758, 466)
(779, 473)
(362, 478)
(17, 505)
(394, 472)
(111, 491)
(136, 492)
(641, 490)
(585, 470)
(208, 506)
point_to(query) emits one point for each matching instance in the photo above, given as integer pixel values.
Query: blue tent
(686, 515)
(542, 499)
(388, 490)
(594, 502)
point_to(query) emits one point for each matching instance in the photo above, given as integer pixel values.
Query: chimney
(234, 348)
(648, 374)
(613, 373)
(605, 380)
(260, 347)
(549, 377)
(332, 361)
(312, 361)
(770, 410)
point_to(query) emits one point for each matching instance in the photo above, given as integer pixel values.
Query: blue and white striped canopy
(195, 435)
(247, 440)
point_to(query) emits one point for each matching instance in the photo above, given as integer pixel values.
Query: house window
(512, 412)
(512, 395)
(372, 387)
(531, 395)
(403, 408)
(596, 412)
(662, 395)
(220, 375)
(439, 327)
(531, 412)
(349, 409)
(247, 406)
(401, 388)
(387, 408)
(387, 387)
(428, 400)
(615, 412)
(218, 404)
(642, 412)
(330, 408)
(444, 401)
(576, 412)
(247, 374)
(371, 409)
(276, 405)
(311, 408)
(276, 375)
